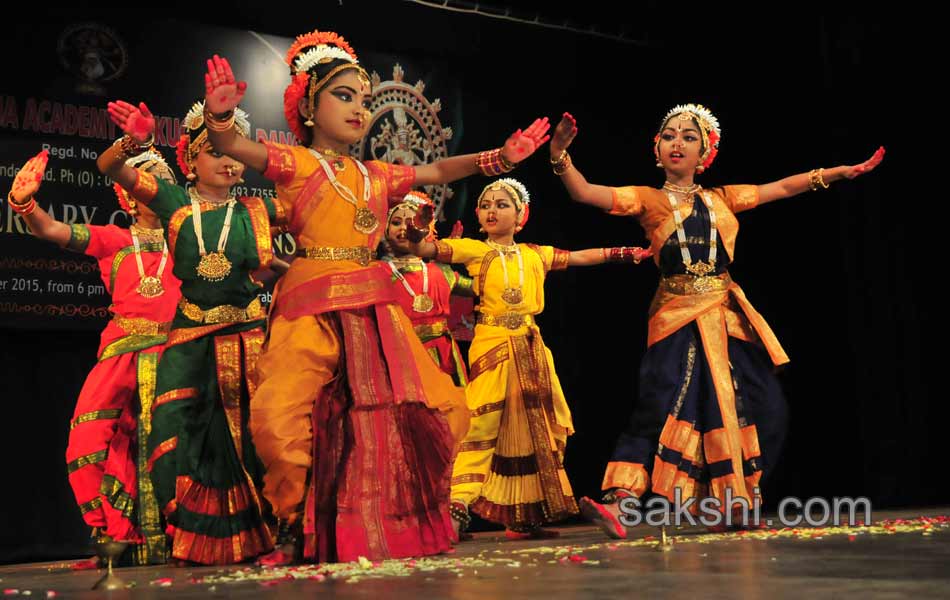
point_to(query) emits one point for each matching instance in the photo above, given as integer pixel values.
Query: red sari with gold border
(105, 454)
(432, 326)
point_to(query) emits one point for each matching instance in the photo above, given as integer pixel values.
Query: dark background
(848, 278)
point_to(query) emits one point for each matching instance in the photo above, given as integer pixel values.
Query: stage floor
(906, 556)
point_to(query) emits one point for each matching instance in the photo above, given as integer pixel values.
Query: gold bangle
(562, 163)
(13, 201)
(816, 178)
(506, 165)
(126, 146)
(212, 123)
(219, 116)
(129, 147)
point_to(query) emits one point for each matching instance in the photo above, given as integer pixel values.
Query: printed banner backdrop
(833, 272)
(59, 104)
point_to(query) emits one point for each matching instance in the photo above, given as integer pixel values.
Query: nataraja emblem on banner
(406, 129)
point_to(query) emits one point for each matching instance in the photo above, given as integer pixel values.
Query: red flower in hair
(315, 38)
(123, 197)
(292, 95)
(181, 153)
(415, 207)
(713, 149)
(524, 219)
(422, 196)
(432, 236)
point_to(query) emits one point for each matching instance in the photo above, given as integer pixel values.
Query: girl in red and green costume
(105, 456)
(424, 289)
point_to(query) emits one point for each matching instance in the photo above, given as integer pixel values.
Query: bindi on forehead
(682, 129)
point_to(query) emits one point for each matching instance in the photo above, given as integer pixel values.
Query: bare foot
(86, 564)
(460, 521)
(279, 556)
(606, 516)
(533, 534)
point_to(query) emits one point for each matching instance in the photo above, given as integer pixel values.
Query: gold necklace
(213, 266)
(688, 190)
(365, 221)
(513, 296)
(146, 235)
(405, 261)
(700, 269)
(421, 303)
(150, 286)
(336, 157)
(501, 247)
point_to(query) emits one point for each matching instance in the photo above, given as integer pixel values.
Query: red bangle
(624, 254)
(492, 163)
(23, 208)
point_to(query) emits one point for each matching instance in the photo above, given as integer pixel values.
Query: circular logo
(405, 129)
(94, 54)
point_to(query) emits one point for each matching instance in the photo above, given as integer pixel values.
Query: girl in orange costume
(348, 398)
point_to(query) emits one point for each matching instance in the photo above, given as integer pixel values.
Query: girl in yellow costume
(711, 414)
(345, 415)
(510, 467)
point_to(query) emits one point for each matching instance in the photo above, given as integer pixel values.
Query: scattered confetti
(534, 556)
